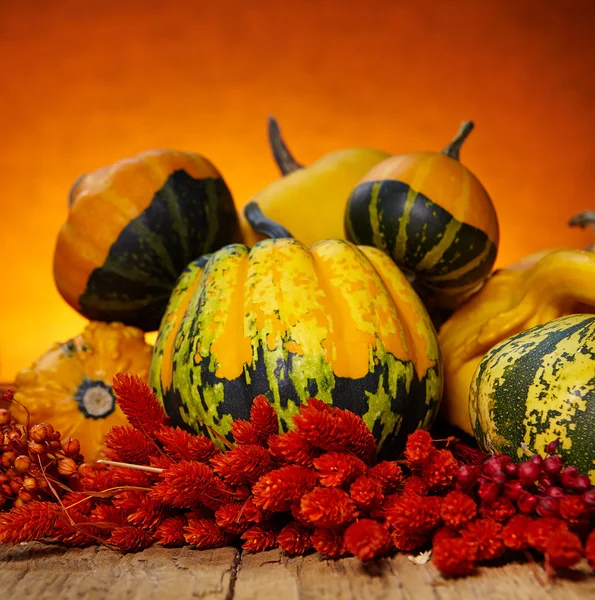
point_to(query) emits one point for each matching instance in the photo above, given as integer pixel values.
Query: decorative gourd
(538, 386)
(132, 228)
(310, 201)
(69, 386)
(537, 289)
(433, 216)
(336, 321)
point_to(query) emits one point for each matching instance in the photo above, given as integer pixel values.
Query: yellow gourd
(310, 201)
(538, 289)
(69, 386)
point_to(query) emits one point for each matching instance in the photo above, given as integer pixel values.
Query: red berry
(492, 466)
(568, 477)
(536, 460)
(547, 507)
(589, 498)
(581, 484)
(499, 478)
(555, 492)
(511, 469)
(546, 481)
(552, 465)
(467, 474)
(488, 491)
(528, 472)
(552, 446)
(512, 489)
(526, 502)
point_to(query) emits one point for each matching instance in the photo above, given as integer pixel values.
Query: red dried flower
(467, 455)
(82, 502)
(80, 534)
(487, 535)
(439, 469)
(514, 533)
(244, 433)
(563, 550)
(294, 538)
(232, 518)
(355, 436)
(108, 514)
(317, 427)
(366, 493)
(138, 402)
(501, 510)
(31, 521)
(277, 490)
(243, 464)
(418, 447)
(573, 509)
(95, 479)
(590, 549)
(187, 483)
(205, 534)
(408, 542)
(416, 486)
(367, 539)
(455, 557)
(149, 515)
(292, 447)
(539, 531)
(129, 500)
(389, 474)
(122, 476)
(413, 514)
(258, 538)
(170, 532)
(337, 468)
(130, 539)
(328, 507)
(457, 509)
(263, 418)
(130, 445)
(443, 534)
(182, 445)
(329, 542)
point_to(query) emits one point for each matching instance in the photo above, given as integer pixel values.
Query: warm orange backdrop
(85, 83)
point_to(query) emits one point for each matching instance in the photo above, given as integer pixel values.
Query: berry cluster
(33, 460)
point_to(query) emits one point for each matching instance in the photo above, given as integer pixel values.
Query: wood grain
(41, 571)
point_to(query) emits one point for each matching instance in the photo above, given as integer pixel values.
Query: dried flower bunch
(318, 486)
(33, 460)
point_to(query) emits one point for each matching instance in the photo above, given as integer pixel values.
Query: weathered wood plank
(39, 571)
(268, 575)
(48, 572)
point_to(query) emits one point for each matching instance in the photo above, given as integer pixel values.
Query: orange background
(86, 83)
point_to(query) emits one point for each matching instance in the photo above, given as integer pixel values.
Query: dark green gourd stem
(74, 187)
(582, 220)
(454, 148)
(262, 224)
(283, 157)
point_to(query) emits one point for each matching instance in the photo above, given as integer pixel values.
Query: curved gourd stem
(454, 148)
(283, 157)
(582, 220)
(73, 188)
(262, 224)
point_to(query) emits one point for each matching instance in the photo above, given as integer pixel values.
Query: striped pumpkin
(433, 216)
(537, 386)
(337, 322)
(131, 230)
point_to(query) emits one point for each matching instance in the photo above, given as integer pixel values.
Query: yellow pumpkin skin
(310, 201)
(335, 321)
(69, 386)
(539, 289)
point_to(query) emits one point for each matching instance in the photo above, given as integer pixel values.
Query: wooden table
(34, 571)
